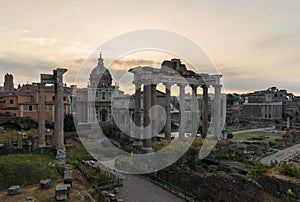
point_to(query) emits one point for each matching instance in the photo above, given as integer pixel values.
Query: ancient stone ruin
(58, 135)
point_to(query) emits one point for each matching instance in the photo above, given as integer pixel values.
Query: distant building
(23, 101)
(265, 105)
(93, 103)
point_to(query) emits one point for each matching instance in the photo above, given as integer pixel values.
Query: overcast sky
(255, 44)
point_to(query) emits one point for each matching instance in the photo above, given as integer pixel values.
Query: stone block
(62, 192)
(45, 184)
(13, 190)
(68, 177)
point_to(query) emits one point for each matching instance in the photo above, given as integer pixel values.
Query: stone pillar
(59, 113)
(168, 113)
(41, 115)
(147, 143)
(182, 111)
(204, 110)
(137, 144)
(154, 115)
(194, 110)
(217, 111)
(263, 111)
(272, 111)
(267, 106)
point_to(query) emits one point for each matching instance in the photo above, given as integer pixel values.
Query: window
(53, 97)
(65, 98)
(103, 96)
(30, 108)
(11, 101)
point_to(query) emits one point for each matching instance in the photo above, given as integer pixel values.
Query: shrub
(229, 136)
(271, 143)
(257, 170)
(289, 169)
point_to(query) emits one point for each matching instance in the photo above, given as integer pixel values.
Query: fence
(171, 188)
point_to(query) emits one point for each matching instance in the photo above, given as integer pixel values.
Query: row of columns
(150, 99)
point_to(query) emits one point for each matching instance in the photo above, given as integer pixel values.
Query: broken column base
(61, 153)
(42, 148)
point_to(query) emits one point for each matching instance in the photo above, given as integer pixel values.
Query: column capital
(168, 85)
(181, 85)
(59, 72)
(149, 82)
(194, 87)
(217, 85)
(137, 83)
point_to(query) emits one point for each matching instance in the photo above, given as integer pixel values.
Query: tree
(69, 123)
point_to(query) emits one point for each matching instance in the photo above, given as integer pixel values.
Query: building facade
(265, 104)
(93, 103)
(23, 101)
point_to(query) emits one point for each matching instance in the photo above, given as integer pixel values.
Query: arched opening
(103, 115)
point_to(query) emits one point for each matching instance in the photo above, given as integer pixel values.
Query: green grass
(247, 135)
(76, 151)
(257, 170)
(9, 135)
(12, 134)
(26, 169)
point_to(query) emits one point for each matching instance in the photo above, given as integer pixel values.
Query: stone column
(263, 111)
(217, 111)
(168, 112)
(182, 111)
(41, 115)
(59, 113)
(137, 144)
(204, 110)
(154, 115)
(194, 110)
(272, 111)
(147, 143)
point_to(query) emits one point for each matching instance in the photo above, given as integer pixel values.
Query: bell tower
(8, 83)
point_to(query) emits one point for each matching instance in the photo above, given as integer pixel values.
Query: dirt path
(281, 155)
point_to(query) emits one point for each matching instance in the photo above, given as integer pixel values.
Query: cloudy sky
(255, 44)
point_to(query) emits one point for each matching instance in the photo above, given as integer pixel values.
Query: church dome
(100, 75)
